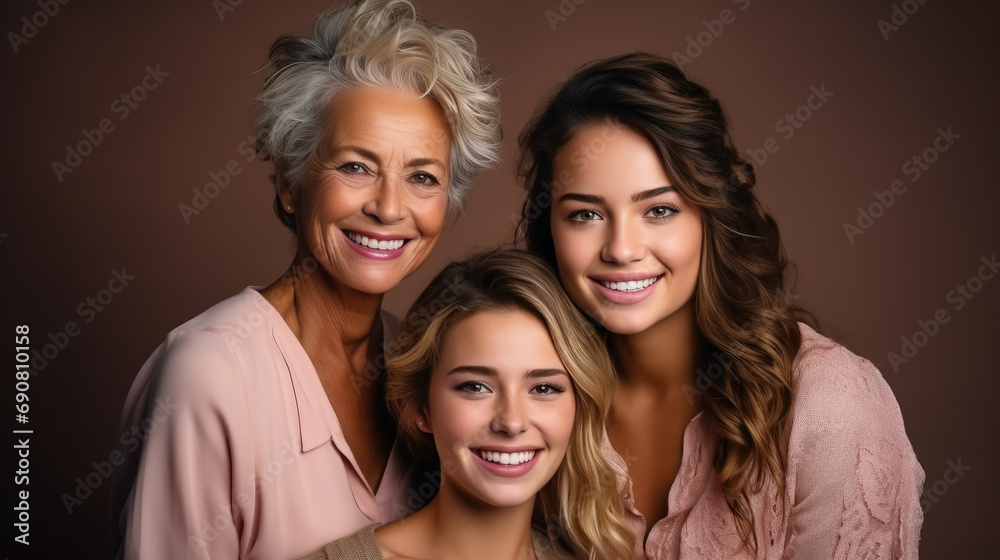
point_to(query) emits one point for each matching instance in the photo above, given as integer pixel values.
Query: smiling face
(500, 406)
(374, 199)
(628, 247)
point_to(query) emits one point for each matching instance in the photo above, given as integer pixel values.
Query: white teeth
(507, 458)
(631, 285)
(373, 243)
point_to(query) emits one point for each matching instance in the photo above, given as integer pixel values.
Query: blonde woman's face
(627, 245)
(500, 408)
(375, 197)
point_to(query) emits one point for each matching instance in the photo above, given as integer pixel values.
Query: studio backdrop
(132, 201)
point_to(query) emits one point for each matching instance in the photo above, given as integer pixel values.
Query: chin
(625, 326)
(507, 500)
(375, 285)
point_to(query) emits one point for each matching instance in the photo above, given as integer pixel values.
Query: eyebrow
(492, 372)
(637, 197)
(366, 153)
(652, 193)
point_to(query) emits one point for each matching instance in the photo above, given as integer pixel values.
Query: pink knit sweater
(852, 486)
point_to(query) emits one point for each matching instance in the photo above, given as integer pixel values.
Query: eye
(547, 389)
(661, 211)
(584, 216)
(353, 168)
(425, 179)
(474, 387)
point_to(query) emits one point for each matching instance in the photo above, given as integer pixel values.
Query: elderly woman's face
(374, 201)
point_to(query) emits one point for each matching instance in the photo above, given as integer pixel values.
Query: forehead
(374, 114)
(513, 340)
(609, 159)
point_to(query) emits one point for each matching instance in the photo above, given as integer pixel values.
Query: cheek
(330, 200)
(559, 423)
(455, 421)
(429, 215)
(572, 253)
(690, 252)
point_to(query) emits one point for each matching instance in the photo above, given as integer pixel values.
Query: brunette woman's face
(376, 194)
(628, 247)
(500, 406)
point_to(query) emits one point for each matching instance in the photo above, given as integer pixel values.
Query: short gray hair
(381, 43)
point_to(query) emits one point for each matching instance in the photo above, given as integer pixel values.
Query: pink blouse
(231, 448)
(853, 482)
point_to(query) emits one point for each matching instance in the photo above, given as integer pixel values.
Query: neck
(661, 360)
(331, 321)
(460, 526)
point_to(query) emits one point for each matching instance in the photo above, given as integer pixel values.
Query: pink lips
(625, 298)
(376, 254)
(507, 470)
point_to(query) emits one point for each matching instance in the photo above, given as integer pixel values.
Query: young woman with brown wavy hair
(497, 377)
(747, 434)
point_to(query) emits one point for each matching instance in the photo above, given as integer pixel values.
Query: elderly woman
(258, 429)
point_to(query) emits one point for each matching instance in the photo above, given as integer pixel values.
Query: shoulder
(200, 362)
(842, 407)
(235, 316)
(852, 474)
(359, 546)
(546, 549)
(830, 380)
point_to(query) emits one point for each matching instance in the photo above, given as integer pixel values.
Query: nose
(623, 244)
(386, 201)
(509, 417)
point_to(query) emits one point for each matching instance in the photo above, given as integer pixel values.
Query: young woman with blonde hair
(496, 375)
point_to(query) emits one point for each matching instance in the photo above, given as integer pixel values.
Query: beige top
(231, 448)
(363, 546)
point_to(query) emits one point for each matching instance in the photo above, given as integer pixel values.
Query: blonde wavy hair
(581, 506)
(381, 43)
(748, 328)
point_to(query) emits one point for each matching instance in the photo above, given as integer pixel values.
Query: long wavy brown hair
(748, 329)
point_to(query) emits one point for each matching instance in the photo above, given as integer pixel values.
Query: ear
(284, 193)
(423, 421)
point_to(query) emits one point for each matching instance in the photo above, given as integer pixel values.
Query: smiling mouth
(373, 243)
(630, 286)
(515, 458)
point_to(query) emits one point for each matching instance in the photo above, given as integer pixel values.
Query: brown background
(119, 207)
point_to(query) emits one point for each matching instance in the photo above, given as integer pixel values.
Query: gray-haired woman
(258, 429)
